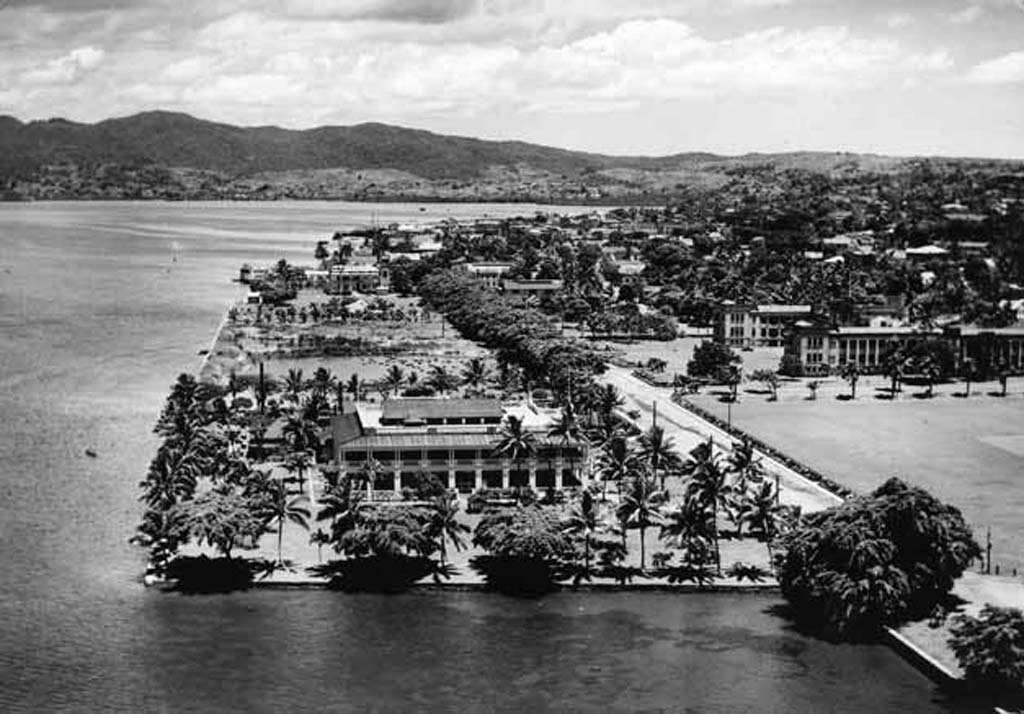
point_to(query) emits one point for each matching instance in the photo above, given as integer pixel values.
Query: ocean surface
(102, 305)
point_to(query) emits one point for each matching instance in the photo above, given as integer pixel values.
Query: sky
(653, 77)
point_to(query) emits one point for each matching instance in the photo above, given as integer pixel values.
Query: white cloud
(1007, 69)
(967, 15)
(66, 69)
(898, 20)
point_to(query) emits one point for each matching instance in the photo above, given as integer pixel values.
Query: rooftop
(421, 409)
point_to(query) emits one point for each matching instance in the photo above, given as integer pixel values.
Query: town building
(357, 278)
(739, 325)
(456, 440)
(489, 274)
(990, 350)
(822, 350)
(524, 289)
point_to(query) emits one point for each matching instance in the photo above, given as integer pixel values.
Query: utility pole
(988, 551)
(654, 422)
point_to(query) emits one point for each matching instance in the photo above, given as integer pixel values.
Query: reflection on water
(97, 318)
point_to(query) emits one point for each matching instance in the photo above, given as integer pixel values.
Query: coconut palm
(607, 399)
(323, 382)
(278, 507)
(173, 475)
(584, 520)
(298, 463)
(394, 378)
(688, 526)
(566, 428)
(475, 375)
(762, 512)
(445, 525)
(617, 461)
(641, 508)
(708, 484)
(659, 451)
(515, 441)
(441, 379)
(302, 431)
(294, 385)
(354, 387)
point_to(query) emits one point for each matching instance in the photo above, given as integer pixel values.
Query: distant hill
(179, 140)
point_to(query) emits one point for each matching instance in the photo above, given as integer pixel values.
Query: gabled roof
(415, 409)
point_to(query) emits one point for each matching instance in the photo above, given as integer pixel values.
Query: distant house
(926, 252)
(538, 288)
(489, 274)
(359, 277)
(631, 271)
(739, 325)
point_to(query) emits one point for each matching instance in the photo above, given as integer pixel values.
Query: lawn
(969, 452)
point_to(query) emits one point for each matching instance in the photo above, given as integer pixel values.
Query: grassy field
(969, 452)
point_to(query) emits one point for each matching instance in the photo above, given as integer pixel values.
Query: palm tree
(278, 507)
(475, 374)
(617, 461)
(567, 429)
(173, 475)
(354, 387)
(688, 527)
(441, 379)
(708, 486)
(608, 399)
(893, 365)
(445, 525)
(304, 432)
(298, 462)
(584, 520)
(640, 508)
(660, 452)
(761, 510)
(394, 378)
(294, 384)
(744, 463)
(323, 382)
(516, 441)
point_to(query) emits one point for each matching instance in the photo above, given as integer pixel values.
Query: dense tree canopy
(874, 560)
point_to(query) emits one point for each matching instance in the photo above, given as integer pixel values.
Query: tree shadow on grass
(844, 397)
(995, 394)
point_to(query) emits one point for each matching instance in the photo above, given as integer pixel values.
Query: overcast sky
(624, 76)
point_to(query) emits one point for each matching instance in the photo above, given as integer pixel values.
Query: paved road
(688, 430)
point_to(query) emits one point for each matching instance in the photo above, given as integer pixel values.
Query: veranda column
(504, 474)
(396, 481)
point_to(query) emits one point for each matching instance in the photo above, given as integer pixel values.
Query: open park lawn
(968, 452)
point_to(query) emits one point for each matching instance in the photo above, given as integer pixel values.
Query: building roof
(439, 439)
(416, 408)
(782, 309)
(869, 330)
(533, 284)
(927, 250)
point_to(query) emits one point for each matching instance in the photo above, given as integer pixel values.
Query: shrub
(990, 647)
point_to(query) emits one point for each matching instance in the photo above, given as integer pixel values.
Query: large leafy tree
(710, 360)
(224, 518)
(874, 560)
(990, 647)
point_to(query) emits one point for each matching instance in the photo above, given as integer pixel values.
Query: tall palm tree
(745, 465)
(641, 508)
(173, 475)
(566, 428)
(618, 462)
(688, 527)
(280, 508)
(516, 441)
(445, 525)
(584, 520)
(659, 451)
(708, 485)
(608, 399)
(294, 385)
(298, 463)
(323, 382)
(354, 387)
(475, 375)
(441, 379)
(394, 378)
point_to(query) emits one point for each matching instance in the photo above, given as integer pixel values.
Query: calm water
(96, 321)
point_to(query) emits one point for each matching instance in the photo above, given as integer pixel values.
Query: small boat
(90, 453)
(204, 352)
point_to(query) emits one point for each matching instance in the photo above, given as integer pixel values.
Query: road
(688, 430)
